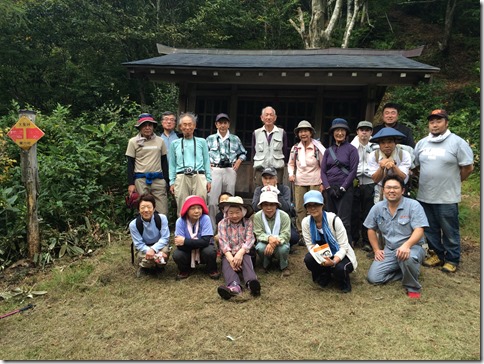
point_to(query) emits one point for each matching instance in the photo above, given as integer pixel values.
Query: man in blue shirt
(168, 122)
(189, 163)
(401, 222)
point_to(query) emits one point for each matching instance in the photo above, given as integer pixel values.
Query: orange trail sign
(25, 133)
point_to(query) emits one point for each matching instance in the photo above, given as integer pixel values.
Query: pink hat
(191, 201)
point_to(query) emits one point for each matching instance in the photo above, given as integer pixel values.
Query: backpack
(141, 228)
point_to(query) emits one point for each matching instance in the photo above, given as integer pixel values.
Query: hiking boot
(214, 275)
(433, 261)
(182, 275)
(301, 242)
(254, 287)
(228, 292)
(286, 272)
(413, 294)
(142, 272)
(449, 268)
(367, 248)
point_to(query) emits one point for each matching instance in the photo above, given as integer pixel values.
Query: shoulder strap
(337, 162)
(157, 220)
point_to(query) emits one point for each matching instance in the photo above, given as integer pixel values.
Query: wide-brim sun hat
(339, 123)
(145, 118)
(304, 124)
(238, 202)
(387, 132)
(268, 196)
(313, 196)
(191, 201)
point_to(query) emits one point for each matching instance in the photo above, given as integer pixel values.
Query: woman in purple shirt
(338, 170)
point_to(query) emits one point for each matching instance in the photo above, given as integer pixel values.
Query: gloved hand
(339, 193)
(270, 188)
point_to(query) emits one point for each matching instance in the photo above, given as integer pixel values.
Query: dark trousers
(362, 204)
(208, 256)
(342, 207)
(322, 275)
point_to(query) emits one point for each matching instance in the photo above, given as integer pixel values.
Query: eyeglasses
(394, 188)
(146, 208)
(169, 119)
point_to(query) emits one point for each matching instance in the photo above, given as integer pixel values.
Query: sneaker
(182, 275)
(367, 248)
(346, 287)
(286, 272)
(433, 261)
(449, 268)
(214, 275)
(254, 287)
(413, 294)
(228, 292)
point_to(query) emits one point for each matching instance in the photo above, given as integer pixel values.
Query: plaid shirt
(233, 237)
(218, 149)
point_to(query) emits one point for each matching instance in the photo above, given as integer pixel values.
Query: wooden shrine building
(315, 85)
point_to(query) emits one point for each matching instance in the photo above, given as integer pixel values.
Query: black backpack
(141, 228)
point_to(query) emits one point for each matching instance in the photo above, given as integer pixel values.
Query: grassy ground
(95, 309)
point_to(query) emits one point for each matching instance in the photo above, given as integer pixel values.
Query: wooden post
(30, 179)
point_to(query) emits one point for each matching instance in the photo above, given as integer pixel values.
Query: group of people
(348, 194)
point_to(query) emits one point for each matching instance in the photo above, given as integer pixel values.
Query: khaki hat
(304, 124)
(364, 124)
(237, 201)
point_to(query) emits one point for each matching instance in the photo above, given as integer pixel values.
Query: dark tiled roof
(216, 59)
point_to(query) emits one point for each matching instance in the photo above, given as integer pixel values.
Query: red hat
(191, 201)
(440, 113)
(145, 118)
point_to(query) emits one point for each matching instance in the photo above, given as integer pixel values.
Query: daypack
(141, 228)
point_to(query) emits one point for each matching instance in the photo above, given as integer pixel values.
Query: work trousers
(281, 254)
(232, 276)
(208, 256)
(186, 185)
(150, 263)
(392, 269)
(342, 207)
(362, 204)
(323, 275)
(157, 189)
(301, 213)
(223, 180)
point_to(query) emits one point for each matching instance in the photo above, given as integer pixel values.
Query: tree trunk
(449, 19)
(350, 21)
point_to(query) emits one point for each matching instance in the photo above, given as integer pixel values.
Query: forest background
(62, 58)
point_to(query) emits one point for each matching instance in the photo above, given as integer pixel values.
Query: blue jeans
(443, 234)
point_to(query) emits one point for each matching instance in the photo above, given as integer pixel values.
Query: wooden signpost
(26, 134)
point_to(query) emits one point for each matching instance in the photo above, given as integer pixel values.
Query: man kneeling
(401, 222)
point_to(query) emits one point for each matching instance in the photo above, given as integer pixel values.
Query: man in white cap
(364, 187)
(445, 160)
(272, 228)
(226, 154)
(147, 163)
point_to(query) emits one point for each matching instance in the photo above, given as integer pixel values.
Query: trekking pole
(17, 311)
